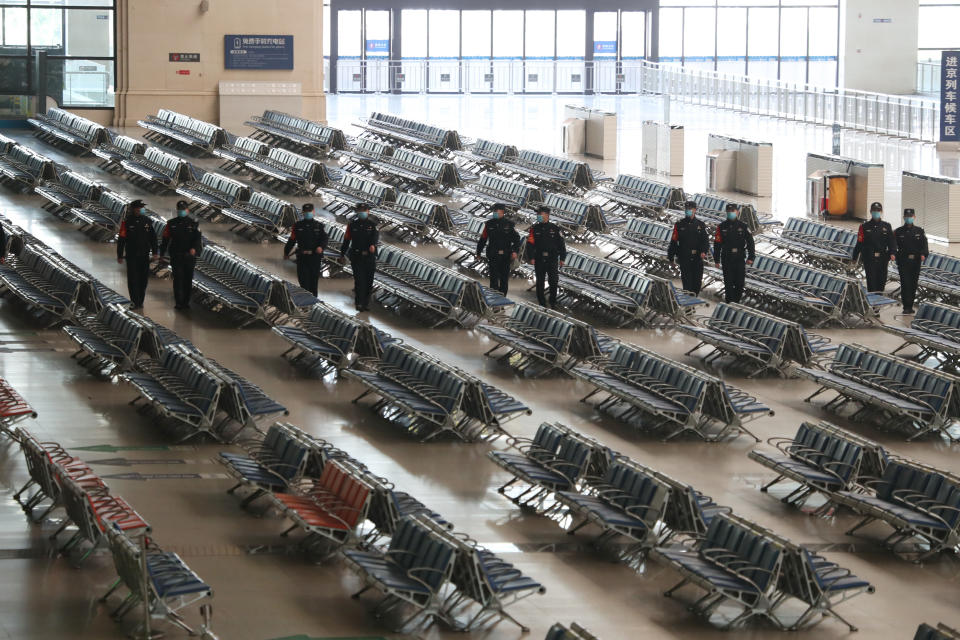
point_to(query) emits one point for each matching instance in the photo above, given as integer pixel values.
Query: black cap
(543, 209)
(307, 207)
(732, 207)
(499, 207)
(182, 204)
(689, 204)
(908, 213)
(876, 206)
(363, 206)
(137, 204)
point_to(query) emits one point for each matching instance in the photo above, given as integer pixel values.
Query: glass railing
(914, 118)
(928, 78)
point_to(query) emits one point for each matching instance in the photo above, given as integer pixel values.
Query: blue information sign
(378, 46)
(266, 53)
(604, 46)
(949, 102)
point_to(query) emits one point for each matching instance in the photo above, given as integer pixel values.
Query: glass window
(68, 3)
(444, 33)
(46, 29)
(633, 34)
(699, 33)
(13, 75)
(671, 34)
(377, 37)
(476, 34)
(89, 32)
(507, 34)
(571, 34)
(732, 40)
(763, 32)
(938, 27)
(348, 34)
(823, 32)
(605, 34)
(540, 40)
(793, 32)
(413, 33)
(15, 28)
(80, 82)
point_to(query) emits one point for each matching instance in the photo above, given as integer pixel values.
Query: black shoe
(909, 311)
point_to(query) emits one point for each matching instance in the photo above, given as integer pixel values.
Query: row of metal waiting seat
(95, 517)
(47, 284)
(920, 503)
(580, 219)
(21, 168)
(393, 541)
(938, 632)
(553, 172)
(297, 134)
(618, 294)
(410, 133)
(810, 295)
(183, 131)
(658, 394)
(579, 482)
(894, 392)
(13, 408)
(62, 128)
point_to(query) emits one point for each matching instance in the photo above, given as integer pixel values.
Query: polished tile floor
(264, 589)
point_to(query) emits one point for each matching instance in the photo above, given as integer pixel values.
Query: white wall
(879, 56)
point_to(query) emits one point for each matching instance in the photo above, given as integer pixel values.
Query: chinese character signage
(378, 46)
(265, 53)
(949, 71)
(605, 46)
(184, 57)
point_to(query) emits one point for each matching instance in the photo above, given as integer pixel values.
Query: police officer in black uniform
(182, 237)
(912, 252)
(3, 246)
(310, 237)
(137, 241)
(503, 243)
(689, 245)
(360, 245)
(876, 246)
(733, 247)
(546, 251)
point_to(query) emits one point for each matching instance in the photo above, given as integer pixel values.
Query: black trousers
(138, 272)
(691, 274)
(734, 273)
(499, 272)
(182, 279)
(364, 268)
(308, 270)
(876, 270)
(547, 270)
(909, 275)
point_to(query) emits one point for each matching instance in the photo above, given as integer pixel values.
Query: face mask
(308, 215)
(731, 215)
(539, 218)
(908, 220)
(688, 213)
(363, 215)
(498, 214)
(182, 213)
(875, 215)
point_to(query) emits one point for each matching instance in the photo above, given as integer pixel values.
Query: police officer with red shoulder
(912, 252)
(137, 242)
(876, 246)
(733, 247)
(546, 251)
(182, 237)
(689, 245)
(360, 245)
(502, 242)
(310, 237)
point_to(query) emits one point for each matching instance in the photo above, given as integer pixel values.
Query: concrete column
(878, 45)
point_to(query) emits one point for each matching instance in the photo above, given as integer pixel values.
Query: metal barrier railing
(914, 118)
